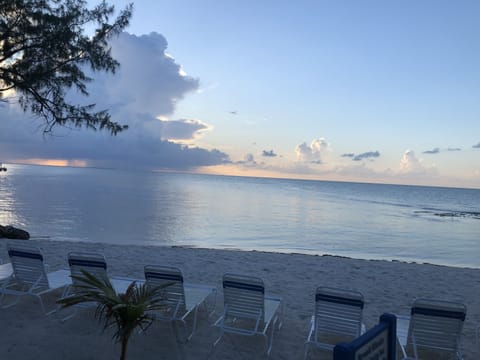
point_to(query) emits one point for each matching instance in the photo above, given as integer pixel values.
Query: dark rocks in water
(11, 232)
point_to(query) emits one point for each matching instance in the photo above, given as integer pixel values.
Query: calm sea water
(411, 223)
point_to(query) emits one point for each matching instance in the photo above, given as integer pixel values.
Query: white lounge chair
(30, 276)
(182, 298)
(95, 264)
(247, 310)
(433, 325)
(337, 318)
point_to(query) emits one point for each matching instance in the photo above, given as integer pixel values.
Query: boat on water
(2, 168)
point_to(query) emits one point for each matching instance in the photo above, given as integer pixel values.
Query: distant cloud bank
(143, 94)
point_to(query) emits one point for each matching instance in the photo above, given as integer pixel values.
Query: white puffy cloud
(312, 153)
(147, 85)
(410, 164)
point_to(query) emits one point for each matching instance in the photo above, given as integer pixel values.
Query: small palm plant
(125, 312)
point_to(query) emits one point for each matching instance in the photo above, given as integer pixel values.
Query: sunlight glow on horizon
(54, 162)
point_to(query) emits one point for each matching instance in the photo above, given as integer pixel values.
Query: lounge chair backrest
(244, 296)
(27, 264)
(338, 311)
(94, 263)
(436, 324)
(162, 275)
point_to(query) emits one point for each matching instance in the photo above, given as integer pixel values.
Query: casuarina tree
(45, 48)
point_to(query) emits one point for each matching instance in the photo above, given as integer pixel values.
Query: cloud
(148, 80)
(268, 153)
(476, 146)
(349, 155)
(366, 155)
(143, 94)
(433, 151)
(437, 150)
(183, 129)
(313, 153)
(410, 164)
(248, 160)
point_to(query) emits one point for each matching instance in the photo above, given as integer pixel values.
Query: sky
(366, 91)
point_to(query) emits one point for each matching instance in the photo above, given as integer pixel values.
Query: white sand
(387, 286)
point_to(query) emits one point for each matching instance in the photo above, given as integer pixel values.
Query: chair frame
(245, 300)
(337, 312)
(182, 299)
(433, 325)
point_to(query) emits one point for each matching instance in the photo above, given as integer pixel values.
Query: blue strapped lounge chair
(247, 310)
(182, 298)
(95, 264)
(337, 318)
(30, 276)
(434, 325)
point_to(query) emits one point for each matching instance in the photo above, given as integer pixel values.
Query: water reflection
(8, 203)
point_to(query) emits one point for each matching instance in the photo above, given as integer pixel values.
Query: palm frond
(123, 311)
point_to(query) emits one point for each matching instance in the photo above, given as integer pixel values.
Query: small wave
(451, 214)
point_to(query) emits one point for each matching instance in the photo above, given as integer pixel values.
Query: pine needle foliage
(45, 47)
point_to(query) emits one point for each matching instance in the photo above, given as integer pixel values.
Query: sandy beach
(387, 287)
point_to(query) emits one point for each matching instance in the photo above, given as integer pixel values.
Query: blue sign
(378, 343)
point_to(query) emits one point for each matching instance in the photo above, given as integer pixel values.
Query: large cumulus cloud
(147, 86)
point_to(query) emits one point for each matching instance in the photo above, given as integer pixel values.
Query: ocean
(369, 221)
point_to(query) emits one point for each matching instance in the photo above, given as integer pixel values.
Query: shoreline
(388, 286)
(403, 261)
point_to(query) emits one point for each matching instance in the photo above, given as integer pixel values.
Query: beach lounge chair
(182, 298)
(337, 318)
(433, 325)
(29, 276)
(247, 310)
(95, 264)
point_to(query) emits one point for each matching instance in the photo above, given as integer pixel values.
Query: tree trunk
(123, 355)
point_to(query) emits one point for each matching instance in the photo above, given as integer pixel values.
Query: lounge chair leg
(17, 299)
(194, 324)
(219, 338)
(307, 348)
(269, 340)
(69, 316)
